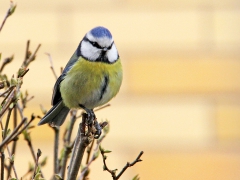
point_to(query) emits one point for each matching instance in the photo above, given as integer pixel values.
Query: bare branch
(29, 57)
(130, 164)
(113, 172)
(9, 13)
(81, 142)
(13, 134)
(51, 65)
(56, 146)
(39, 153)
(5, 62)
(67, 143)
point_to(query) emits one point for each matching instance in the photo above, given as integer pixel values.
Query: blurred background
(180, 98)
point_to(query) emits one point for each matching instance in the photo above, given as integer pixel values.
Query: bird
(91, 78)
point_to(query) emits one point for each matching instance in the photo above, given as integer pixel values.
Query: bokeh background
(180, 98)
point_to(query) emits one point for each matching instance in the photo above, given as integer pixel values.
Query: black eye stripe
(95, 44)
(109, 47)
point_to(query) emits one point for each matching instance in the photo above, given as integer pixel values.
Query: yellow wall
(180, 99)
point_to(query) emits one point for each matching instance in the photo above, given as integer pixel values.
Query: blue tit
(91, 78)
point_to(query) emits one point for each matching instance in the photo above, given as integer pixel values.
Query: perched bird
(91, 78)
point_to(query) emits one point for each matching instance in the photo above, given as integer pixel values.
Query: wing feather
(56, 97)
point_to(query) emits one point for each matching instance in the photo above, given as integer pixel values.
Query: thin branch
(29, 57)
(130, 164)
(14, 145)
(51, 65)
(113, 172)
(56, 146)
(27, 52)
(7, 104)
(2, 155)
(7, 122)
(12, 163)
(67, 143)
(5, 62)
(9, 89)
(9, 13)
(13, 134)
(89, 150)
(81, 142)
(94, 156)
(39, 153)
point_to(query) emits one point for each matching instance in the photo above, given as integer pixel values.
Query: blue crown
(99, 32)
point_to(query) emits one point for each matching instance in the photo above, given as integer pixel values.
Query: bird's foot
(92, 120)
(98, 129)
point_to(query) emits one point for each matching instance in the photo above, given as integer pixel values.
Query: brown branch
(9, 13)
(81, 142)
(5, 92)
(113, 172)
(13, 134)
(2, 155)
(39, 153)
(5, 62)
(67, 143)
(55, 150)
(85, 170)
(130, 164)
(11, 98)
(29, 57)
(89, 150)
(14, 145)
(51, 65)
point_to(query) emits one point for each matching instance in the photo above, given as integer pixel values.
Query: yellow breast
(91, 84)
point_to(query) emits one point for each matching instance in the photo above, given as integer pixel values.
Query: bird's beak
(105, 49)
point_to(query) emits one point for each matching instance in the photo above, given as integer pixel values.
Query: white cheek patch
(90, 52)
(112, 54)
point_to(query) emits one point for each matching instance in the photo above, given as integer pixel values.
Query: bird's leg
(92, 120)
(96, 125)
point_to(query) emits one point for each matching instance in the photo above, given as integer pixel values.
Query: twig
(39, 153)
(14, 142)
(2, 155)
(51, 65)
(56, 145)
(9, 13)
(113, 172)
(89, 150)
(130, 164)
(29, 57)
(12, 163)
(27, 52)
(95, 154)
(7, 104)
(7, 122)
(67, 141)
(5, 62)
(28, 139)
(9, 153)
(9, 89)
(13, 134)
(81, 142)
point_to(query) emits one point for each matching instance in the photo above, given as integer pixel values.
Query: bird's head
(98, 46)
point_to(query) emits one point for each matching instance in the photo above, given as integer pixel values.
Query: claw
(98, 130)
(91, 120)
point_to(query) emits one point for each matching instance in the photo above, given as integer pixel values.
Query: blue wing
(56, 97)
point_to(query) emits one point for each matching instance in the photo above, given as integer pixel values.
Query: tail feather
(56, 115)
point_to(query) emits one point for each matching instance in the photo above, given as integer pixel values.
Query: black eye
(109, 47)
(95, 44)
